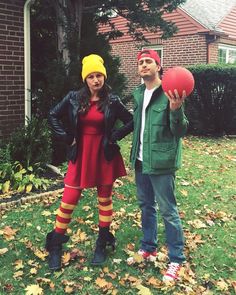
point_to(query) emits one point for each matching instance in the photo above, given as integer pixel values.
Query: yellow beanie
(93, 63)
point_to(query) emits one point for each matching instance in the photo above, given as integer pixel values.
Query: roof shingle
(208, 12)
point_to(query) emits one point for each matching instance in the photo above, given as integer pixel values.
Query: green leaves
(211, 108)
(16, 178)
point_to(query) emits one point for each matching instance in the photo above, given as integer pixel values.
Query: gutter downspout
(27, 59)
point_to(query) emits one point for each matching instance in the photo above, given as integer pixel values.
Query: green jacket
(162, 133)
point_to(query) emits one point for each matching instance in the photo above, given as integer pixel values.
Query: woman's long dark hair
(85, 94)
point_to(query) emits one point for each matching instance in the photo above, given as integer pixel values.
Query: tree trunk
(67, 11)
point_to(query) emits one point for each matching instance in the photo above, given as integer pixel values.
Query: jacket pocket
(159, 115)
(163, 155)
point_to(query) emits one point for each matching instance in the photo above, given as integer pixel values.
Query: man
(159, 124)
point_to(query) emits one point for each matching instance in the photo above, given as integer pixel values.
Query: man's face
(148, 68)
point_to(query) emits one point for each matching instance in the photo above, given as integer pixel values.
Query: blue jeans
(153, 190)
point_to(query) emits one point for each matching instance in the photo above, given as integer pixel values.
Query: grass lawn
(206, 195)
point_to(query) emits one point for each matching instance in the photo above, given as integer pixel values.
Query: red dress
(91, 168)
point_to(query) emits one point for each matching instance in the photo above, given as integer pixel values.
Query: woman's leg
(57, 237)
(69, 200)
(105, 238)
(105, 205)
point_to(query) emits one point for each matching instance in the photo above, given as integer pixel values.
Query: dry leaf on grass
(143, 290)
(34, 290)
(8, 233)
(3, 251)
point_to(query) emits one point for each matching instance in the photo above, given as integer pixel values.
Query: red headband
(149, 53)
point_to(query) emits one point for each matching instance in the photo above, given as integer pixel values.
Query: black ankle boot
(53, 245)
(105, 238)
(111, 241)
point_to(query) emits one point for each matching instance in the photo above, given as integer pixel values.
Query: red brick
(12, 66)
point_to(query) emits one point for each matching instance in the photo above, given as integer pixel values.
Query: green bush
(31, 145)
(13, 177)
(211, 108)
(24, 157)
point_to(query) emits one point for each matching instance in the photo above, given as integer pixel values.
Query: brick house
(206, 35)
(11, 65)
(14, 62)
(15, 87)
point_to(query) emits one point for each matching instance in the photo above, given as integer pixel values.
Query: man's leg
(148, 206)
(164, 187)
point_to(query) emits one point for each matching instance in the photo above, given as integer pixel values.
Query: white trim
(27, 58)
(227, 48)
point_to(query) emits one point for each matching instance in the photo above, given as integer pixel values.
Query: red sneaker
(149, 256)
(172, 272)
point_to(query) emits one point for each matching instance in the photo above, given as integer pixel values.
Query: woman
(94, 156)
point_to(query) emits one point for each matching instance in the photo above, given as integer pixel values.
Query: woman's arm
(127, 119)
(54, 118)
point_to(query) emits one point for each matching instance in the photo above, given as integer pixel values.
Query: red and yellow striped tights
(70, 198)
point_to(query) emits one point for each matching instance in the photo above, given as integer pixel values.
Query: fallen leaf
(118, 261)
(222, 285)
(86, 208)
(19, 264)
(40, 254)
(46, 213)
(138, 258)
(76, 253)
(118, 183)
(69, 290)
(33, 271)
(8, 233)
(66, 258)
(87, 279)
(143, 290)
(184, 193)
(130, 246)
(197, 223)
(184, 183)
(154, 282)
(33, 290)
(18, 274)
(3, 251)
(101, 283)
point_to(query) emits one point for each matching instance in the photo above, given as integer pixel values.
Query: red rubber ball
(178, 78)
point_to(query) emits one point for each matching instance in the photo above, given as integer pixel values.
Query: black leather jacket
(69, 107)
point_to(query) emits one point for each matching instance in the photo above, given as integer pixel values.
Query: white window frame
(227, 48)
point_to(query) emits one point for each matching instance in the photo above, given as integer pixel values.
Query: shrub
(14, 177)
(24, 157)
(31, 145)
(211, 108)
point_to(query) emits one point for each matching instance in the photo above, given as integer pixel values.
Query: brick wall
(182, 51)
(213, 53)
(11, 66)
(127, 52)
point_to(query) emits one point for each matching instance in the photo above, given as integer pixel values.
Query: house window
(158, 49)
(227, 54)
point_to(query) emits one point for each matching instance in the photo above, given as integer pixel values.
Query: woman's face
(95, 82)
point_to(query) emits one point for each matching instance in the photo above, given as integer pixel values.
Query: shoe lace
(141, 252)
(173, 269)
